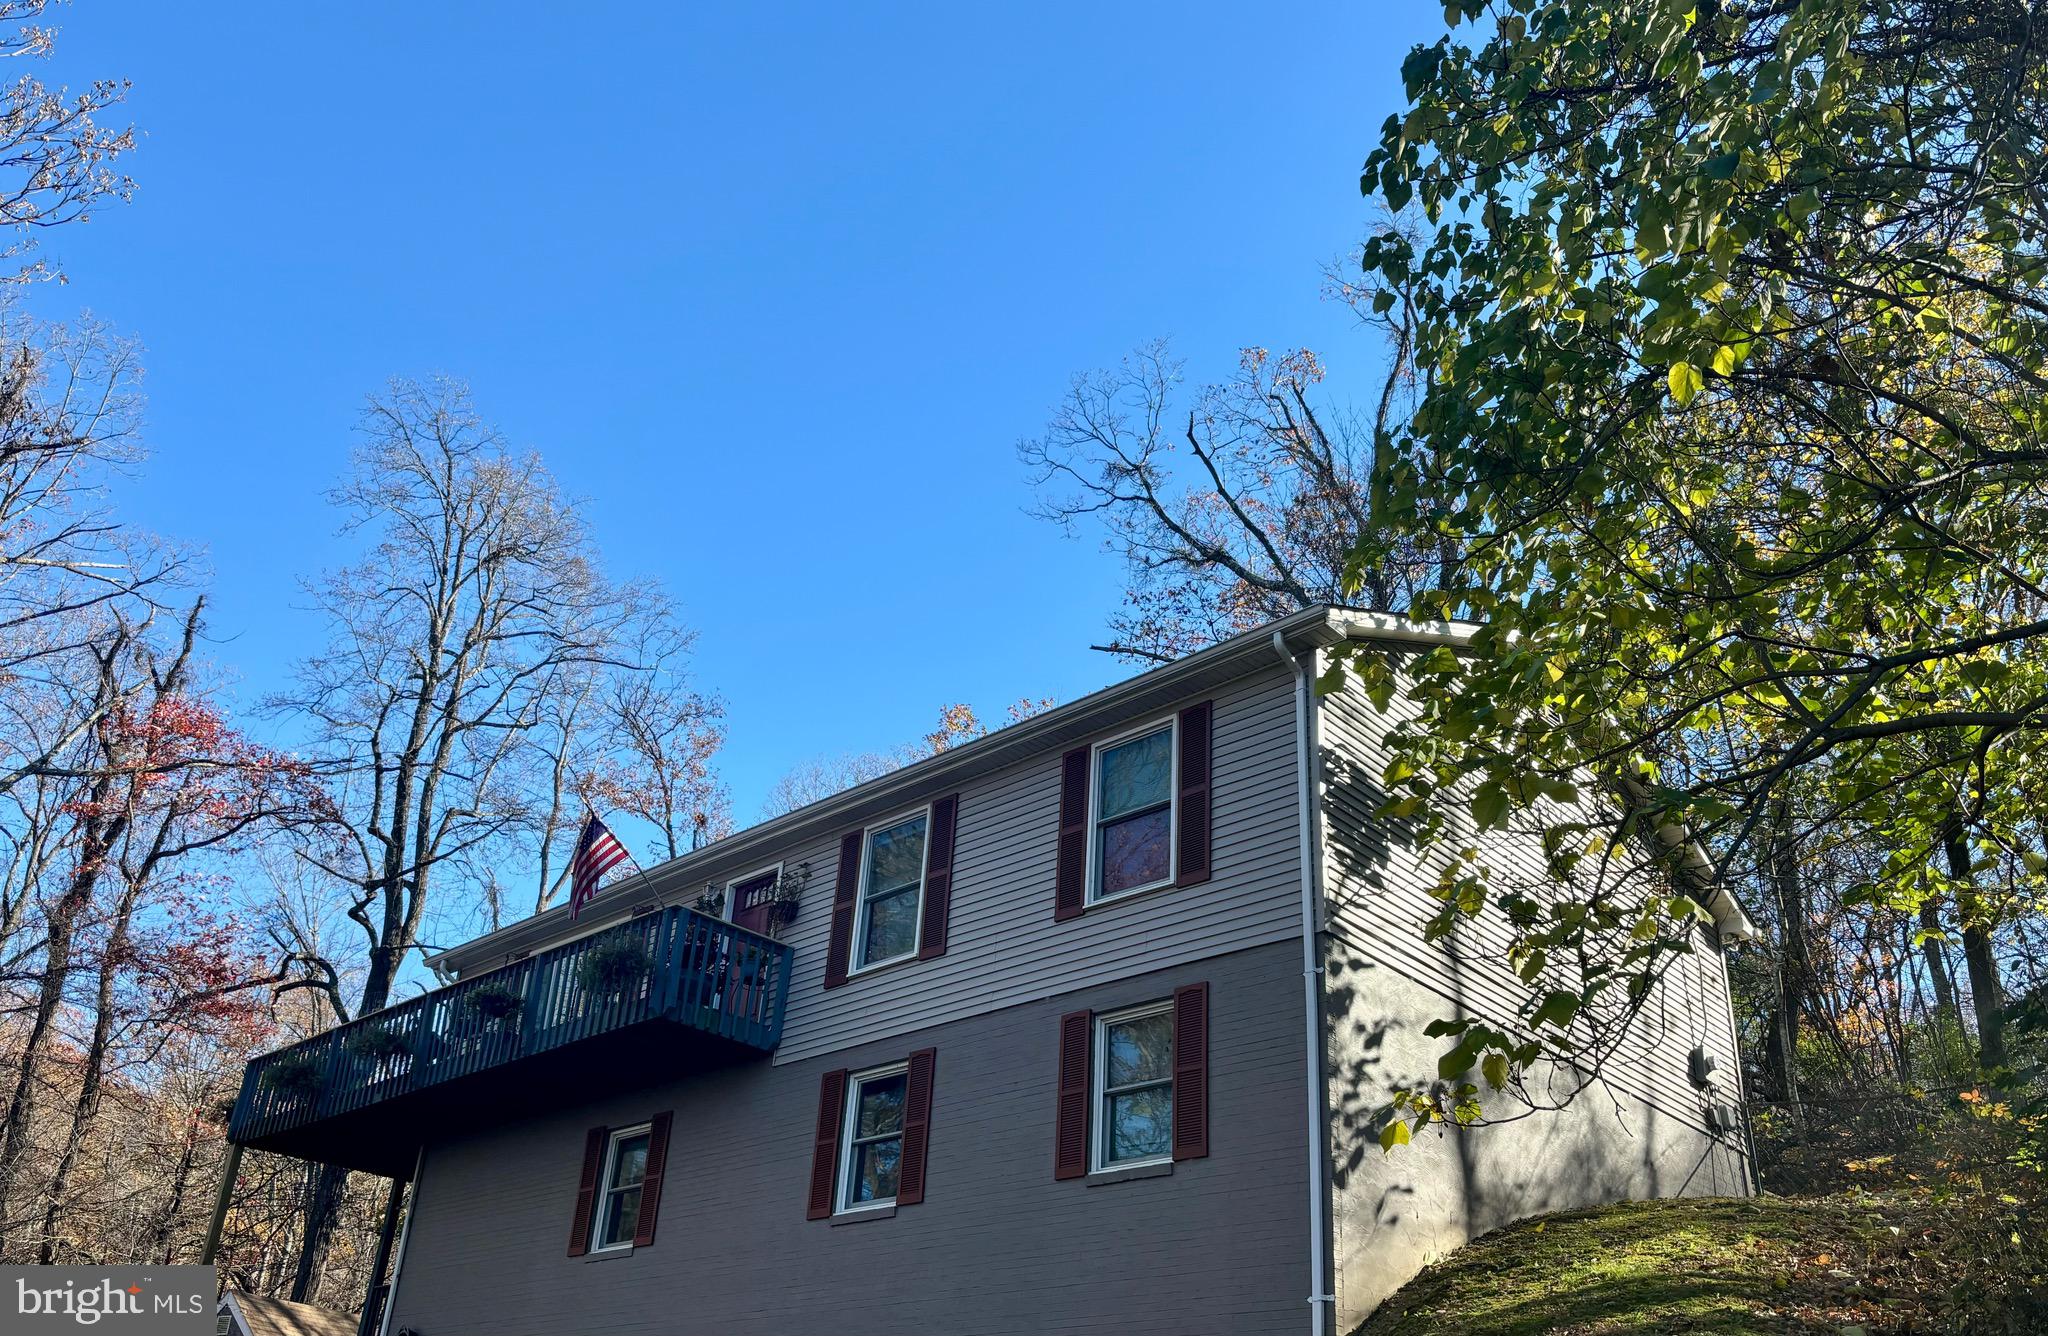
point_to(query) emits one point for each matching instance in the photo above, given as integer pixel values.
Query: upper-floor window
(886, 919)
(1134, 816)
(618, 1196)
(873, 1138)
(1133, 1082)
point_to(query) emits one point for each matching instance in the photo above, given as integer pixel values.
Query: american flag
(598, 851)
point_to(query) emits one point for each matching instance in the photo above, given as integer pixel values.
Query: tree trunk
(1986, 999)
(162, 1245)
(1937, 963)
(17, 1132)
(323, 1192)
(323, 1195)
(1795, 968)
(92, 1080)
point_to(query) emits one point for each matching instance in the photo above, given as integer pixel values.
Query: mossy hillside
(1855, 1264)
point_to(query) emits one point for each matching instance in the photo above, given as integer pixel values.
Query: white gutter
(1730, 920)
(1360, 624)
(1319, 1297)
(1002, 747)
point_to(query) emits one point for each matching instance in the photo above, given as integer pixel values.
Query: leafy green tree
(1732, 326)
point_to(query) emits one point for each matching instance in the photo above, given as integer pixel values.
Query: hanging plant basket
(296, 1075)
(377, 1043)
(613, 968)
(789, 893)
(493, 1002)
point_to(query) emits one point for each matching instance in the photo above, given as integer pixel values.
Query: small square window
(885, 925)
(1134, 793)
(618, 1197)
(873, 1138)
(1134, 1086)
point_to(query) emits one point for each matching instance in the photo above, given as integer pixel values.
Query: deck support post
(365, 1324)
(228, 1174)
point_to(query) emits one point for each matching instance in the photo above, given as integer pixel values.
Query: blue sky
(775, 289)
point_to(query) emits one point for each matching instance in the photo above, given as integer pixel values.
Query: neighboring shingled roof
(257, 1316)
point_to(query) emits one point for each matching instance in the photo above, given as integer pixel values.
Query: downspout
(1320, 1298)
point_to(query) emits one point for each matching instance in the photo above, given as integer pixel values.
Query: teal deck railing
(689, 968)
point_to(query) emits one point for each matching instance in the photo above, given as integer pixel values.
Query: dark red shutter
(1070, 883)
(825, 1145)
(843, 896)
(586, 1192)
(938, 878)
(917, 1125)
(650, 1185)
(1193, 853)
(1070, 1130)
(1191, 1072)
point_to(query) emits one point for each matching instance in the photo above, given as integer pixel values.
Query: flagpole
(641, 872)
(590, 818)
(660, 905)
(638, 871)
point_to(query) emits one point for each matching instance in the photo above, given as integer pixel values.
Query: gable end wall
(1639, 1134)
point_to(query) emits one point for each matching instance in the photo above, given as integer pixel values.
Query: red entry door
(753, 900)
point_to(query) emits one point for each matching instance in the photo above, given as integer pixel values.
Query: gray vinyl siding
(1377, 899)
(1391, 1215)
(1220, 1245)
(1217, 1246)
(1003, 946)
(1638, 1133)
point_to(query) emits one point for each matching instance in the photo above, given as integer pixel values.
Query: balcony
(659, 996)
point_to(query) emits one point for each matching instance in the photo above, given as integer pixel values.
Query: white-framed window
(886, 919)
(871, 1142)
(1133, 1086)
(617, 1210)
(1133, 818)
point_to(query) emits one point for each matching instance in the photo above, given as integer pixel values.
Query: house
(1075, 1028)
(243, 1314)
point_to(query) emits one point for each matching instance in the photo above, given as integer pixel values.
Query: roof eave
(1316, 627)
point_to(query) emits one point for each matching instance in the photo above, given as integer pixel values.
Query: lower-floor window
(618, 1198)
(1134, 1086)
(874, 1138)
